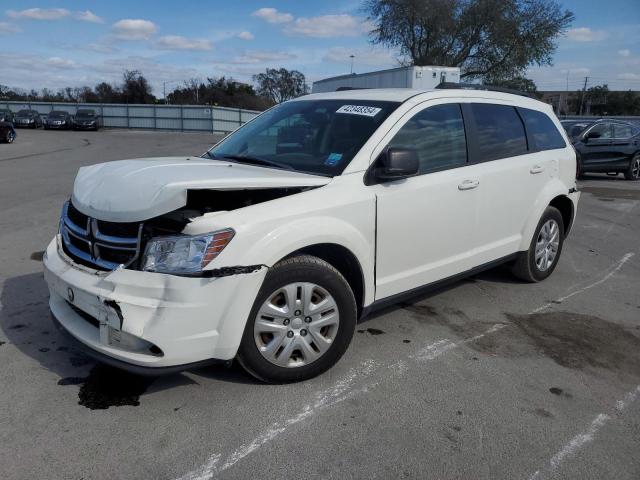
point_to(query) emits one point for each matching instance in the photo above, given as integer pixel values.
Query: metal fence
(186, 118)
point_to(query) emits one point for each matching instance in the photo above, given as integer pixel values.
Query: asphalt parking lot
(488, 379)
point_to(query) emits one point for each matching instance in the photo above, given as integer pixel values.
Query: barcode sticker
(359, 110)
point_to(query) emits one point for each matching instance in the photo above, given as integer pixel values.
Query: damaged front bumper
(150, 320)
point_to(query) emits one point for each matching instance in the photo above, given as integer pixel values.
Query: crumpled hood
(136, 190)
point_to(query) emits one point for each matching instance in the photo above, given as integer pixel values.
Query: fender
(304, 232)
(555, 187)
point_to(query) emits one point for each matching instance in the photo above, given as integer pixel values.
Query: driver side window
(437, 134)
(604, 129)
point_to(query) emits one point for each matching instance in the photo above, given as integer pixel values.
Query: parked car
(607, 146)
(271, 245)
(28, 118)
(59, 119)
(7, 132)
(86, 119)
(6, 115)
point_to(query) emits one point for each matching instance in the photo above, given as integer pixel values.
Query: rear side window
(499, 131)
(543, 134)
(437, 133)
(622, 131)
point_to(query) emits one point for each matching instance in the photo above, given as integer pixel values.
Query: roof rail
(478, 86)
(344, 89)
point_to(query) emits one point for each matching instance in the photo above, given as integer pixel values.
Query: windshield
(85, 113)
(312, 136)
(57, 114)
(25, 113)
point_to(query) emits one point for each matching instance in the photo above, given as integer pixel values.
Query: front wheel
(301, 323)
(540, 260)
(633, 173)
(9, 136)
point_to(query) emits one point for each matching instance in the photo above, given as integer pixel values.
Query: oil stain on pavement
(572, 340)
(106, 387)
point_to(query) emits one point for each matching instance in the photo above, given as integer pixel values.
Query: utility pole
(164, 92)
(584, 89)
(351, 57)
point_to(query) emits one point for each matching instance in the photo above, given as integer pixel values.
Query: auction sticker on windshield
(359, 110)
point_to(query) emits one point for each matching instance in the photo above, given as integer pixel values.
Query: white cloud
(370, 57)
(262, 56)
(624, 52)
(40, 13)
(272, 15)
(246, 36)
(54, 14)
(57, 62)
(7, 28)
(176, 42)
(88, 16)
(99, 47)
(585, 34)
(134, 29)
(629, 76)
(328, 26)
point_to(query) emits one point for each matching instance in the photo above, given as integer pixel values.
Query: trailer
(420, 78)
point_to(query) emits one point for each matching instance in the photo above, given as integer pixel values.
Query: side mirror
(396, 163)
(591, 135)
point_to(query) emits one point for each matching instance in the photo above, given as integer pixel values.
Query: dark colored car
(59, 119)
(607, 146)
(86, 119)
(7, 132)
(6, 115)
(28, 118)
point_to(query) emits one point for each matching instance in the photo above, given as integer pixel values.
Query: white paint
(579, 441)
(629, 398)
(339, 392)
(442, 346)
(616, 267)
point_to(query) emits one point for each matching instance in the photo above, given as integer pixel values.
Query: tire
(526, 266)
(8, 137)
(633, 172)
(310, 351)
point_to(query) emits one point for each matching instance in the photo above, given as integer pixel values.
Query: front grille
(96, 243)
(76, 216)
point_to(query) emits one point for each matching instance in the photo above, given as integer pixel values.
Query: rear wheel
(9, 136)
(301, 323)
(633, 173)
(540, 260)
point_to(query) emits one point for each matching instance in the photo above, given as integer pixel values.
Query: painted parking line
(351, 385)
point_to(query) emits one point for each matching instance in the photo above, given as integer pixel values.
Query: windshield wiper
(257, 161)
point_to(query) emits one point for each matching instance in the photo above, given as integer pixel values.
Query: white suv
(270, 246)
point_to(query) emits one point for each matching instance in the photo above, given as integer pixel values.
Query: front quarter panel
(341, 213)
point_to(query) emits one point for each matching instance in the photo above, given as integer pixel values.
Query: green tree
(280, 85)
(136, 88)
(485, 38)
(522, 84)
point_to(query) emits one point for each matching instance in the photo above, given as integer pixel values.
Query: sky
(54, 44)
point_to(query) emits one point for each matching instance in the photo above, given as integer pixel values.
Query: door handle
(468, 185)
(536, 169)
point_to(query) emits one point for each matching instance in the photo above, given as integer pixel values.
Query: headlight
(185, 254)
